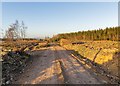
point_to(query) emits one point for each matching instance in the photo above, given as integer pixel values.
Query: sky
(50, 18)
(60, 0)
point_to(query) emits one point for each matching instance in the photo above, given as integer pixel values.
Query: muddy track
(54, 65)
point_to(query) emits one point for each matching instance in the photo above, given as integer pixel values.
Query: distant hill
(111, 33)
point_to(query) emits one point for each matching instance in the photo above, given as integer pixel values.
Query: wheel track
(66, 80)
(77, 70)
(61, 67)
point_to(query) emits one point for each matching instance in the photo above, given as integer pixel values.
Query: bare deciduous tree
(16, 31)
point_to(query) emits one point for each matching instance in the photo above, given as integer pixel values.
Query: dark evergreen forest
(111, 33)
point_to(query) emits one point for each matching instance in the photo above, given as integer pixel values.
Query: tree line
(111, 33)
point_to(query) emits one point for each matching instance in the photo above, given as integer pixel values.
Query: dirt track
(55, 65)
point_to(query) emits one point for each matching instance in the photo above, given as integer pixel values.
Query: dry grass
(64, 42)
(107, 56)
(90, 49)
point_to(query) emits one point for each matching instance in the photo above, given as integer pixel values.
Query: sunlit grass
(90, 49)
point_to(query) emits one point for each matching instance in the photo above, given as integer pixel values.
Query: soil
(55, 65)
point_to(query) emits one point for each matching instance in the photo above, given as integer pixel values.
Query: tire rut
(73, 69)
(56, 66)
